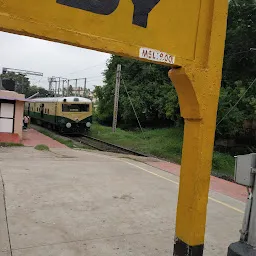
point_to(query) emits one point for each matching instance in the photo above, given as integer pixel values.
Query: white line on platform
(177, 183)
(162, 177)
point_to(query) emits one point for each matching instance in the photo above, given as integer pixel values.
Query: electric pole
(68, 89)
(63, 93)
(59, 88)
(55, 85)
(76, 88)
(84, 87)
(115, 112)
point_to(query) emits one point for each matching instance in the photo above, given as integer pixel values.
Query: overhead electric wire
(133, 107)
(93, 79)
(237, 101)
(87, 68)
(94, 76)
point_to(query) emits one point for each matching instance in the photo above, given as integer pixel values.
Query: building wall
(18, 122)
(10, 94)
(19, 109)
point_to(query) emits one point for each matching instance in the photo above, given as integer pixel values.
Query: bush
(42, 147)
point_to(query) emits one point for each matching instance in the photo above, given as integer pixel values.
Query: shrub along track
(87, 141)
(105, 146)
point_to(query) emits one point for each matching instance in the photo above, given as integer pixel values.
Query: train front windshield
(75, 107)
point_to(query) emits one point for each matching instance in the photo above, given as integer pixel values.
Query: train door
(55, 114)
(28, 109)
(42, 110)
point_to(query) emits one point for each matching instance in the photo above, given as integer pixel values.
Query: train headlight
(88, 124)
(68, 125)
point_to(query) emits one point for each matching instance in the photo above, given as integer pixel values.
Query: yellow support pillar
(198, 87)
(196, 163)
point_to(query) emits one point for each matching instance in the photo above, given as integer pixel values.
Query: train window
(48, 110)
(75, 107)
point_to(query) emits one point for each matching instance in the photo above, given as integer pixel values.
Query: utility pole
(50, 84)
(63, 81)
(59, 88)
(118, 79)
(68, 89)
(55, 85)
(76, 88)
(55, 88)
(84, 87)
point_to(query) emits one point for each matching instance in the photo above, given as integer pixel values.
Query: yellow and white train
(72, 115)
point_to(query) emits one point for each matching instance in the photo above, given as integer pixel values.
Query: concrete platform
(219, 185)
(68, 202)
(31, 137)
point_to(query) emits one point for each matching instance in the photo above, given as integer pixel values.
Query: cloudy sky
(52, 59)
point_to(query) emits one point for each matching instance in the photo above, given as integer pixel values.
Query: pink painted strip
(219, 185)
(32, 138)
(9, 137)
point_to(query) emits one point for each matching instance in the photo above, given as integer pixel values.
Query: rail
(105, 146)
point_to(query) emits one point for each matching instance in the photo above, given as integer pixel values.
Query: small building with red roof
(11, 116)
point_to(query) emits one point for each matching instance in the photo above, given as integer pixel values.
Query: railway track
(98, 144)
(105, 146)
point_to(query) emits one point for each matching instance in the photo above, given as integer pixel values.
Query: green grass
(42, 147)
(155, 141)
(164, 143)
(10, 144)
(223, 164)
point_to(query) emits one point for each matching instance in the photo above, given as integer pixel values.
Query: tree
(22, 83)
(155, 99)
(239, 61)
(43, 92)
(34, 89)
(238, 70)
(87, 93)
(150, 90)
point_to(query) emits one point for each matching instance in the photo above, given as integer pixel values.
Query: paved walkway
(72, 203)
(32, 138)
(219, 185)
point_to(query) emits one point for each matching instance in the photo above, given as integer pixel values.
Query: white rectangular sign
(155, 55)
(6, 110)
